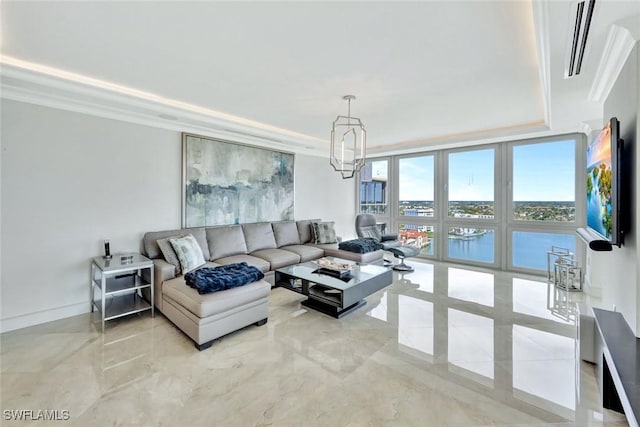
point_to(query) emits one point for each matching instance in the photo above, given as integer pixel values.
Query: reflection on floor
(444, 346)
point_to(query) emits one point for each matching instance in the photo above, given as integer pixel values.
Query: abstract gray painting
(227, 183)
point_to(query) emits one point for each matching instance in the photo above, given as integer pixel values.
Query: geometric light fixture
(348, 143)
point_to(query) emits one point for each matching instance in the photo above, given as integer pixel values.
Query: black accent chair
(366, 227)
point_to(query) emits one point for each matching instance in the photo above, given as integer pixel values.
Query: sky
(471, 175)
(541, 172)
(416, 178)
(544, 172)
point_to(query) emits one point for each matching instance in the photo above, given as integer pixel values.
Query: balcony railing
(373, 208)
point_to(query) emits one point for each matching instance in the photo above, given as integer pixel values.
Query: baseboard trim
(44, 316)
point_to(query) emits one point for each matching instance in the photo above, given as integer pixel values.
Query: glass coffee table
(332, 295)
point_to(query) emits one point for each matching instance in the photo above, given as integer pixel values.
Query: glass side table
(117, 284)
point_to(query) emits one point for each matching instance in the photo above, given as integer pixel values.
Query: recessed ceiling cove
(423, 71)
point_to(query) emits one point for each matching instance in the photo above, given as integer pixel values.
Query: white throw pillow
(188, 251)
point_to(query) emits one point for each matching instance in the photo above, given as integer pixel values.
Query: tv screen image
(600, 191)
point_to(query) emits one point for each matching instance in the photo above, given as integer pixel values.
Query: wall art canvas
(229, 183)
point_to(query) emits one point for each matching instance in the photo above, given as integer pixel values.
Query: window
(471, 184)
(415, 186)
(544, 181)
(419, 236)
(373, 187)
(499, 205)
(543, 200)
(530, 248)
(471, 244)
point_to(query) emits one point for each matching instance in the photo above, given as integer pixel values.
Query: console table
(619, 367)
(117, 284)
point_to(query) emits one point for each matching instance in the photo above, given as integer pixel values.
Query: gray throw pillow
(168, 253)
(323, 232)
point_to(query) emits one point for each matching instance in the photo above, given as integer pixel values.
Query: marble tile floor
(446, 345)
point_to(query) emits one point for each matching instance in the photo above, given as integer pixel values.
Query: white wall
(322, 193)
(621, 267)
(71, 180)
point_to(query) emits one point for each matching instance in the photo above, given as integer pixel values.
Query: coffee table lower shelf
(331, 310)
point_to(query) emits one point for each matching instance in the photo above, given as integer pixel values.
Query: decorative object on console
(563, 270)
(228, 183)
(107, 250)
(348, 143)
(188, 251)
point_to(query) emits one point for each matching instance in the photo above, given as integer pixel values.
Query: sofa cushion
(259, 263)
(286, 233)
(217, 302)
(353, 256)
(305, 252)
(188, 251)
(259, 236)
(304, 229)
(277, 257)
(323, 246)
(169, 253)
(150, 240)
(226, 241)
(323, 232)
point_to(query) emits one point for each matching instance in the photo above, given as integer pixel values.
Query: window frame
(503, 222)
(380, 218)
(560, 227)
(433, 221)
(483, 223)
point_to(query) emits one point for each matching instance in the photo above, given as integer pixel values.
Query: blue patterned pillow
(188, 251)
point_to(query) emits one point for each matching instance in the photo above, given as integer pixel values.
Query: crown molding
(40, 85)
(619, 44)
(541, 28)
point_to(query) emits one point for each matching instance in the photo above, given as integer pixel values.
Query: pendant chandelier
(348, 143)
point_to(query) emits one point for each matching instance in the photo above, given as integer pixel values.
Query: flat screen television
(604, 183)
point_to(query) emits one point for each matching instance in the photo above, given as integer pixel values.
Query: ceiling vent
(576, 49)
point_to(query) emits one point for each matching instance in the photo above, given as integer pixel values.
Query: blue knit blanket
(360, 246)
(207, 280)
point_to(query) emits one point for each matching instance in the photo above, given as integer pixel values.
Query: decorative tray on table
(332, 268)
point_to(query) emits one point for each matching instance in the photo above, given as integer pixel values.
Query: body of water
(529, 248)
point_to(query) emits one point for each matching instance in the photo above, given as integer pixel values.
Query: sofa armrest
(162, 271)
(387, 237)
